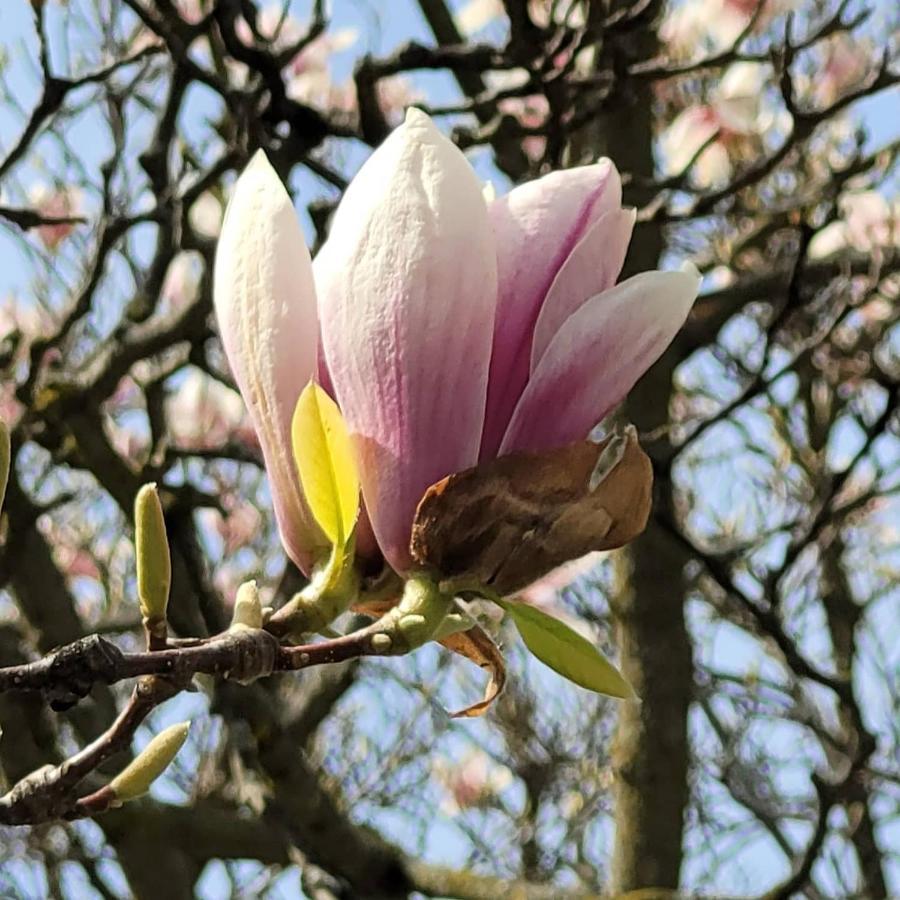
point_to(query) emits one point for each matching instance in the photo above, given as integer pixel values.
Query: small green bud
(421, 611)
(247, 607)
(381, 643)
(154, 568)
(454, 622)
(135, 779)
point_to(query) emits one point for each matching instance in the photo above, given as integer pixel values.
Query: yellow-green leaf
(325, 463)
(567, 652)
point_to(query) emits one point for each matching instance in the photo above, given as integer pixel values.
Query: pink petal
(592, 268)
(596, 358)
(266, 306)
(407, 285)
(536, 227)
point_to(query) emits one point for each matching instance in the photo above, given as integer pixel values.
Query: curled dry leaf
(474, 644)
(509, 522)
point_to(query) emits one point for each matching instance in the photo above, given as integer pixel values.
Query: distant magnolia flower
(714, 25)
(474, 15)
(471, 782)
(205, 215)
(55, 203)
(182, 281)
(203, 413)
(307, 76)
(477, 14)
(532, 111)
(545, 593)
(845, 66)
(235, 528)
(734, 113)
(452, 330)
(868, 222)
(22, 321)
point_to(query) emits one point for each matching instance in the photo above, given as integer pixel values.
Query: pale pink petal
(737, 99)
(688, 132)
(545, 593)
(597, 356)
(407, 286)
(476, 14)
(536, 227)
(592, 267)
(266, 306)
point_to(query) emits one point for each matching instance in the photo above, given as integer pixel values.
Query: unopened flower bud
(135, 779)
(247, 607)
(154, 568)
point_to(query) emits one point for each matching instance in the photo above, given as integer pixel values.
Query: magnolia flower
(55, 203)
(182, 281)
(452, 330)
(733, 115)
(715, 24)
(532, 111)
(203, 413)
(846, 64)
(205, 215)
(473, 781)
(307, 76)
(22, 322)
(475, 15)
(868, 222)
(238, 525)
(545, 593)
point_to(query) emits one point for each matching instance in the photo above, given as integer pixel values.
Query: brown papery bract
(509, 522)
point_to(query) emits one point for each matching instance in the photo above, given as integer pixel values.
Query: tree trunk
(650, 752)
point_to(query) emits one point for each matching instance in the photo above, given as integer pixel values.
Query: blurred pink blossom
(72, 559)
(544, 594)
(846, 64)
(473, 781)
(714, 25)
(204, 414)
(734, 113)
(22, 321)
(205, 215)
(78, 563)
(307, 75)
(131, 445)
(182, 282)
(237, 527)
(58, 202)
(868, 221)
(532, 112)
(475, 15)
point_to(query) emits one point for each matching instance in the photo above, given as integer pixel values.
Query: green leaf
(567, 652)
(325, 463)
